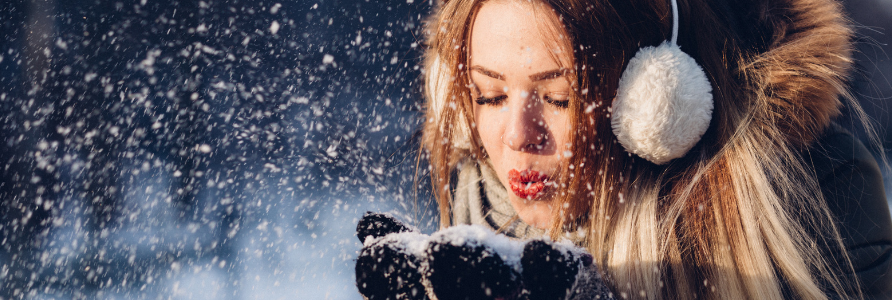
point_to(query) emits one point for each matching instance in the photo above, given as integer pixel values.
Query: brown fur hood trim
(799, 78)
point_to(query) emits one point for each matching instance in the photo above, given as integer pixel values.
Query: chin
(536, 214)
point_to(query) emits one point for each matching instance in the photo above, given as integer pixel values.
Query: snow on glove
(389, 264)
(554, 271)
(470, 262)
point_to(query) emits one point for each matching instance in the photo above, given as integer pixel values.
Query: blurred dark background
(225, 149)
(202, 149)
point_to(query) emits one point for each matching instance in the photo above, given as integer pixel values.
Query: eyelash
(561, 104)
(490, 101)
(498, 100)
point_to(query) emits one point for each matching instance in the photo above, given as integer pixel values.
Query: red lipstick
(527, 184)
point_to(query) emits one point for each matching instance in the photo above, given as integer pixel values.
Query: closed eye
(557, 102)
(490, 101)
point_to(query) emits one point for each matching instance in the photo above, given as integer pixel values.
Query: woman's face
(521, 89)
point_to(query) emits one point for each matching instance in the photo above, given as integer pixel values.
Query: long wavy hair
(741, 214)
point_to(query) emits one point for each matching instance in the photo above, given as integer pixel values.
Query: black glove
(378, 225)
(555, 271)
(469, 268)
(469, 262)
(548, 273)
(386, 268)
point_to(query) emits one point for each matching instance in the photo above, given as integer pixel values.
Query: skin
(520, 89)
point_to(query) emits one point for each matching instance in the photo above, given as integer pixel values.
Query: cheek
(487, 122)
(563, 131)
(559, 127)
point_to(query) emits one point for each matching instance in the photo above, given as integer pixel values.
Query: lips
(527, 184)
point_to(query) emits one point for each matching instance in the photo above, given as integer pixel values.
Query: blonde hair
(741, 215)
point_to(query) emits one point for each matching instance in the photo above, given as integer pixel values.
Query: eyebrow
(488, 72)
(546, 75)
(552, 74)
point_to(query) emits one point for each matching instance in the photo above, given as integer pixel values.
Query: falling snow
(208, 149)
(274, 27)
(203, 149)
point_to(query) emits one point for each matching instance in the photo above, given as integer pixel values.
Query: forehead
(507, 35)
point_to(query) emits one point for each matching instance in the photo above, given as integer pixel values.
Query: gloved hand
(386, 267)
(458, 263)
(558, 271)
(469, 262)
(378, 225)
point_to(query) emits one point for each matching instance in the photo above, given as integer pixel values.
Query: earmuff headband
(664, 101)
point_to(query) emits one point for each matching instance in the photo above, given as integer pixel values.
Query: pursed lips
(527, 184)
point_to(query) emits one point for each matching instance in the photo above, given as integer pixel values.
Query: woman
(520, 139)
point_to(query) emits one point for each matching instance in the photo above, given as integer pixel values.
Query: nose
(526, 129)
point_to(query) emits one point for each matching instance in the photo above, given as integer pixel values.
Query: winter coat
(852, 185)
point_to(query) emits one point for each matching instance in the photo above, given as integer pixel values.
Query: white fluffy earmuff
(663, 103)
